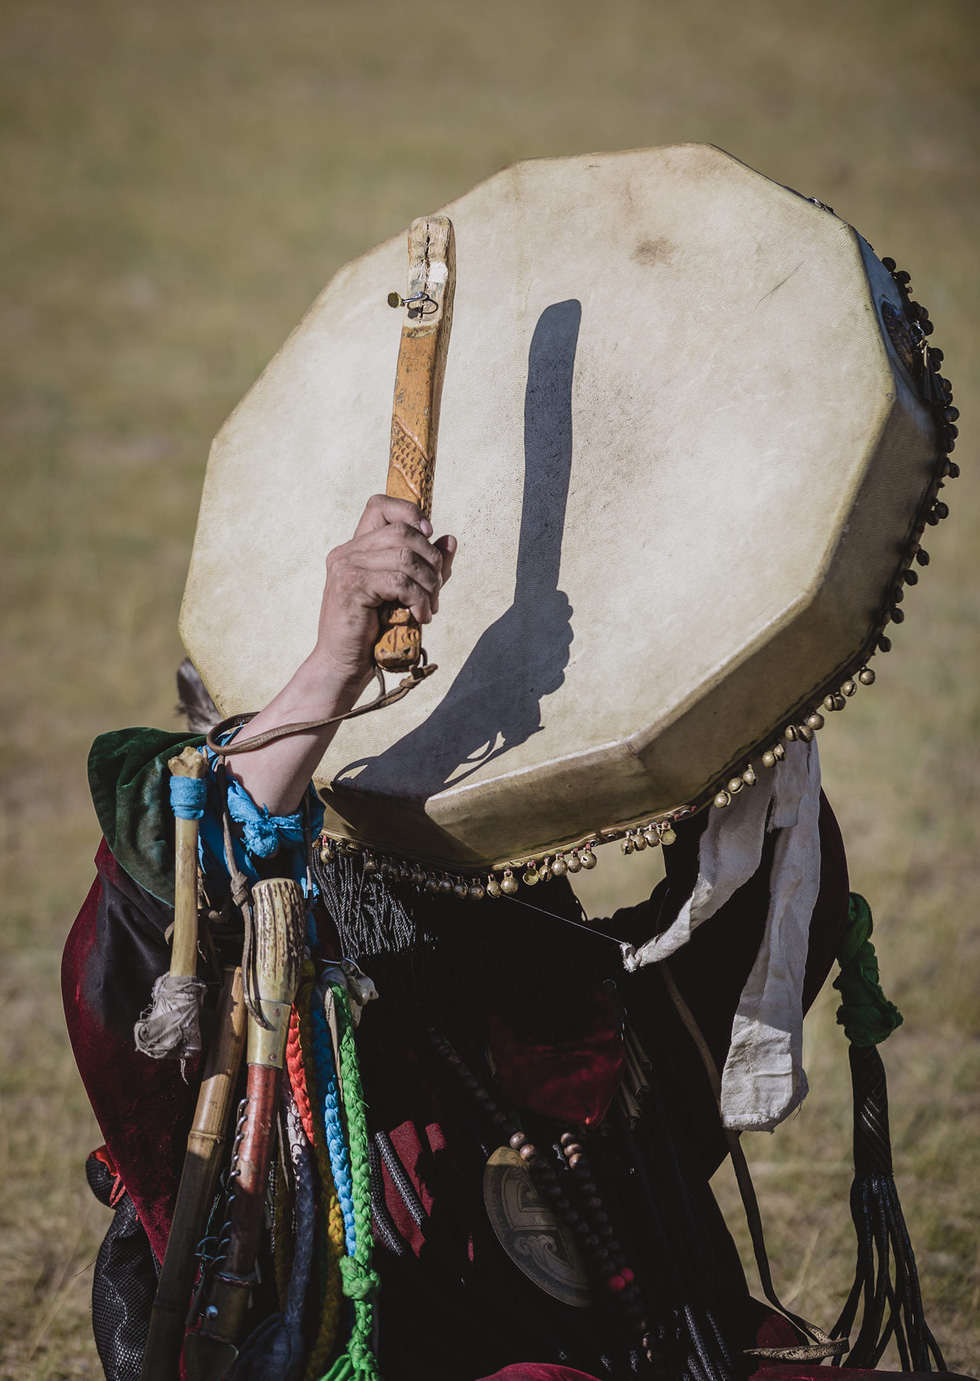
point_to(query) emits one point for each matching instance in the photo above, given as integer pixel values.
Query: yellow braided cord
(331, 1216)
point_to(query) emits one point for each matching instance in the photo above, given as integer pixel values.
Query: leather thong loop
(381, 700)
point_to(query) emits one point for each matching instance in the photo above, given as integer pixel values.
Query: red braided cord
(297, 1072)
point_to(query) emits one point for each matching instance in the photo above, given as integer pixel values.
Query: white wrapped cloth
(763, 1079)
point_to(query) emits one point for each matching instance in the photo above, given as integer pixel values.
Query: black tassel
(886, 1284)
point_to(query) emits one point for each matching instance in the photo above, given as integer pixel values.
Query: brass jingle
(559, 868)
(651, 836)
(445, 886)
(815, 720)
(805, 733)
(839, 702)
(748, 776)
(790, 733)
(866, 676)
(769, 758)
(405, 872)
(544, 872)
(830, 702)
(667, 836)
(627, 845)
(493, 888)
(461, 889)
(419, 876)
(722, 799)
(735, 785)
(779, 751)
(589, 859)
(639, 843)
(531, 876)
(370, 866)
(327, 854)
(884, 643)
(509, 883)
(477, 891)
(574, 861)
(431, 884)
(848, 688)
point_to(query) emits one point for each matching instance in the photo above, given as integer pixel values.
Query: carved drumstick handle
(415, 410)
(183, 953)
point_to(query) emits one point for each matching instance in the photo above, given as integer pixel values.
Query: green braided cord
(865, 1012)
(360, 1282)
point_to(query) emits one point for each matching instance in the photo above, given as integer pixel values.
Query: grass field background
(177, 182)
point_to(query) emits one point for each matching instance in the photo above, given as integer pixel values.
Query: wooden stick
(205, 1144)
(279, 913)
(415, 410)
(183, 952)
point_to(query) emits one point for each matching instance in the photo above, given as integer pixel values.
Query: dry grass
(177, 182)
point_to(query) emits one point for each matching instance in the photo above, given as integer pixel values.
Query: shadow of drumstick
(495, 700)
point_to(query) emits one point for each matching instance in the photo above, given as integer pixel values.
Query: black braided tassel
(886, 1283)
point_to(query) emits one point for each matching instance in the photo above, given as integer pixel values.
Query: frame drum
(685, 451)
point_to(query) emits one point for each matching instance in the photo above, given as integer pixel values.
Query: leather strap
(249, 745)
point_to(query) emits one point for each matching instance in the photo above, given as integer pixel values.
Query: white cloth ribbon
(763, 1079)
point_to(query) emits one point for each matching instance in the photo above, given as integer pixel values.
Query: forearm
(277, 775)
(389, 560)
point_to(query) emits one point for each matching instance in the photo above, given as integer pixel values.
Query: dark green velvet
(128, 777)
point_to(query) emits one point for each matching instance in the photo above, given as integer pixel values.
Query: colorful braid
(361, 1283)
(303, 1074)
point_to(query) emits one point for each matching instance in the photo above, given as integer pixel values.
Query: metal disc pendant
(530, 1233)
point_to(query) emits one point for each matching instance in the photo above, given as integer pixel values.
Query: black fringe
(447, 958)
(886, 1283)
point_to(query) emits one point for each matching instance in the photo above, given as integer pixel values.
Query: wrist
(336, 684)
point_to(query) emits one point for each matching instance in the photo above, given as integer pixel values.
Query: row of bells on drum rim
(562, 862)
(804, 732)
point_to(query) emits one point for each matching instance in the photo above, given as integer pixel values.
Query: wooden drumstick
(170, 1028)
(279, 914)
(205, 1144)
(415, 410)
(183, 950)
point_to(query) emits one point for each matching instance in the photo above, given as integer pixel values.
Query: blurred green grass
(177, 181)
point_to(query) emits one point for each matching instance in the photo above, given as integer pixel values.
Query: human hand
(391, 558)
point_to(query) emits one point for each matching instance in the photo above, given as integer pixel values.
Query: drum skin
(685, 465)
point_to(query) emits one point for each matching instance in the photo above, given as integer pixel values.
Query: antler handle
(415, 410)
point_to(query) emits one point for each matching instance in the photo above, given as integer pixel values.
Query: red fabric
(138, 1102)
(573, 1080)
(538, 1371)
